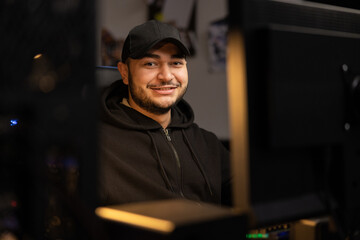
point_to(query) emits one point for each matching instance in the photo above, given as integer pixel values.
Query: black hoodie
(141, 161)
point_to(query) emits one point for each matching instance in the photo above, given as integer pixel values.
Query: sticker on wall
(217, 41)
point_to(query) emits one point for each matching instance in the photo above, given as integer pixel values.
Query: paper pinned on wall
(217, 42)
(178, 12)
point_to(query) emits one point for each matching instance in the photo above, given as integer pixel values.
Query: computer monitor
(294, 85)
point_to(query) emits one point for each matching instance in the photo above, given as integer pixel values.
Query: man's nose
(165, 73)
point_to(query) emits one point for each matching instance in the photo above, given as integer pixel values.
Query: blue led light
(13, 122)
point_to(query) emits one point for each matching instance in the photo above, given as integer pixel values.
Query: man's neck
(163, 119)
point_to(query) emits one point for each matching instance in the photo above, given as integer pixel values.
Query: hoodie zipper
(168, 138)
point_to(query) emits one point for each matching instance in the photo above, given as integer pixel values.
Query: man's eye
(150, 64)
(177, 63)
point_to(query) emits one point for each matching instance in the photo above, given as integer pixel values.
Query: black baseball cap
(145, 36)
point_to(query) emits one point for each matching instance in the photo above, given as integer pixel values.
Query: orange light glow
(37, 56)
(138, 220)
(237, 89)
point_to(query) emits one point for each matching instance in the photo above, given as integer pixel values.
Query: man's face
(157, 81)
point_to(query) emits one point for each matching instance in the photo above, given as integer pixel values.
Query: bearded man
(150, 147)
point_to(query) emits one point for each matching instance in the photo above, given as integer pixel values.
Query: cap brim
(142, 52)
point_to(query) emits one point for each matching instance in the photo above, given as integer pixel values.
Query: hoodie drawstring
(162, 169)
(197, 162)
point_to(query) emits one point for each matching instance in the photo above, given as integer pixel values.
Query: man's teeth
(165, 88)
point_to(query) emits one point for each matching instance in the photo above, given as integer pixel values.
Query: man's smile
(164, 89)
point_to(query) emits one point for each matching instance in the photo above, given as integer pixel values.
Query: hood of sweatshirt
(116, 113)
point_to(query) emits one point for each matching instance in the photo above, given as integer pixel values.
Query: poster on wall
(111, 48)
(217, 42)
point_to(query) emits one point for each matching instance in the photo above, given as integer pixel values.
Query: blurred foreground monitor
(48, 118)
(294, 87)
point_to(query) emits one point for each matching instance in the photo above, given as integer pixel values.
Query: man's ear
(123, 69)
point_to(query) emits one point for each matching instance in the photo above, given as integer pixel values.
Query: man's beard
(142, 100)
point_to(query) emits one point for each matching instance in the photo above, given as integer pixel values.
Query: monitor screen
(294, 85)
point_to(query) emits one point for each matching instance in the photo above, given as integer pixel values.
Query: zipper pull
(166, 131)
